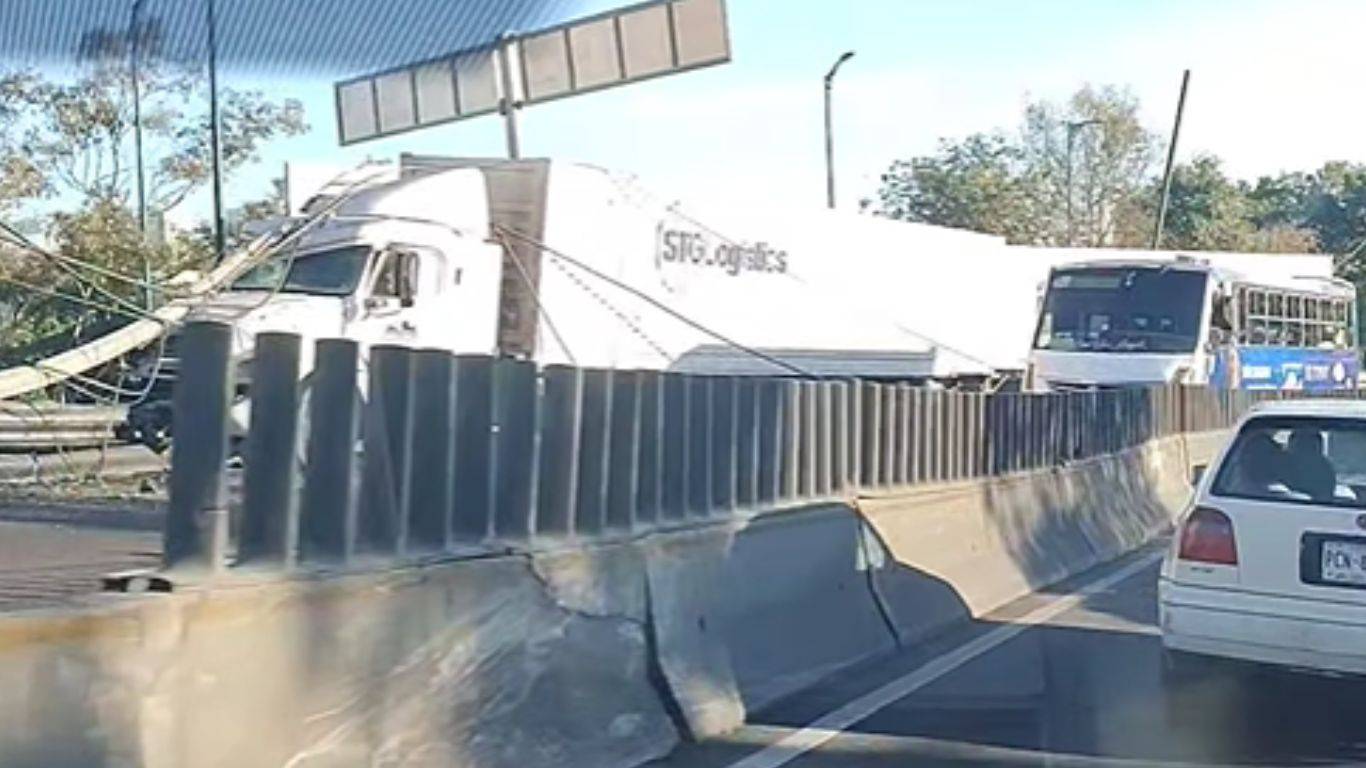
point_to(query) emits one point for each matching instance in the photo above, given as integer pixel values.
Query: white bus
(1146, 322)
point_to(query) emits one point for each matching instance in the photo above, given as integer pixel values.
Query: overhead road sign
(590, 54)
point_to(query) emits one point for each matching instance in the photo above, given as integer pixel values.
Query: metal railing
(448, 451)
(25, 427)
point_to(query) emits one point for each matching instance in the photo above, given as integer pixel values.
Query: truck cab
(392, 266)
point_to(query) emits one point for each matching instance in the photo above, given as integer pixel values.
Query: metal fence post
(915, 434)
(905, 426)
(196, 520)
(872, 435)
(953, 435)
(724, 400)
(675, 448)
(330, 503)
(595, 444)
(770, 440)
(472, 502)
(808, 458)
(889, 433)
(824, 438)
(432, 481)
(790, 452)
(839, 435)
(747, 441)
(557, 489)
(699, 446)
(934, 437)
(270, 496)
(515, 400)
(386, 432)
(650, 502)
(854, 412)
(979, 425)
(623, 467)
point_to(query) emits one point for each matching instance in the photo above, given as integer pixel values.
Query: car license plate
(1343, 562)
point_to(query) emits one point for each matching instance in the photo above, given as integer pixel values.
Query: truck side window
(397, 277)
(386, 277)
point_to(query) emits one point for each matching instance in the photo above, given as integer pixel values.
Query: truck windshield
(1122, 310)
(334, 272)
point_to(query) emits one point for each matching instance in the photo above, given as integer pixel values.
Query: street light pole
(214, 138)
(135, 69)
(829, 130)
(135, 41)
(1072, 128)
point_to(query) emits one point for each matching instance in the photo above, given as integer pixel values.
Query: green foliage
(1018, 186)
(973, 184)
(67, 166)
(1115, 188)
(43, 297)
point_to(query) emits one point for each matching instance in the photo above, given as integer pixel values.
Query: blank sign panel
(592, 53)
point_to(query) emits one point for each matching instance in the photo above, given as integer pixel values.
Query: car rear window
(1297, 459)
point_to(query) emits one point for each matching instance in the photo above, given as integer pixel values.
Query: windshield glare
(334, 272)
(1122, 310)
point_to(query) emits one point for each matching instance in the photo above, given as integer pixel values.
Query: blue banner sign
(1294, 368)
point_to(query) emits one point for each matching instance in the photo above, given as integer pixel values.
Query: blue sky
(1273, 87)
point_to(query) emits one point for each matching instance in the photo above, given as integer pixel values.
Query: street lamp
(217, 156)
(1072, 128)
(829, 130)
(135, 40)
(135, 54)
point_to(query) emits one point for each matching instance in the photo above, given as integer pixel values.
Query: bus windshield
(334, 272)
(1122, 309)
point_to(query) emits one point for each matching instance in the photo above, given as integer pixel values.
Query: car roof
(1338, 407)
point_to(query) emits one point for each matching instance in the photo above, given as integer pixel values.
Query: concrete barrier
(592, 654)
(748, 612)
(467, 663)
(953, 550)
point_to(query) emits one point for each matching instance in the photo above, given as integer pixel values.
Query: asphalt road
(1069, 677)
(49, 564)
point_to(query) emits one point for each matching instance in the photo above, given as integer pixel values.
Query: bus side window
(1223, 312)
(1276, 305)
(1295, 336)
(1256, 332)
(1275, 333)
(1242, 315)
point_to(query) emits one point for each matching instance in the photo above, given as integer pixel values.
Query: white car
(1268, 563)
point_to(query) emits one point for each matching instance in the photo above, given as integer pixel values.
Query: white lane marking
(833, 723)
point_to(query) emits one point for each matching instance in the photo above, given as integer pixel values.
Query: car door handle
(404, 327)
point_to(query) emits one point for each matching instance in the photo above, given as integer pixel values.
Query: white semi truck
(566, 263)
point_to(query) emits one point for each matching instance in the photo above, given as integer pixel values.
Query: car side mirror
(1198, 473)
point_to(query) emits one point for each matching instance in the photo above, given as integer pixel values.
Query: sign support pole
(507, 105)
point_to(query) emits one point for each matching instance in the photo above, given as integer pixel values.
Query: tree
(81, 132)
(1110, 158)
(1019, 186)
(976, 184)
(67, 160)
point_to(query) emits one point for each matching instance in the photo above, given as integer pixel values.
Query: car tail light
(1207, 537)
